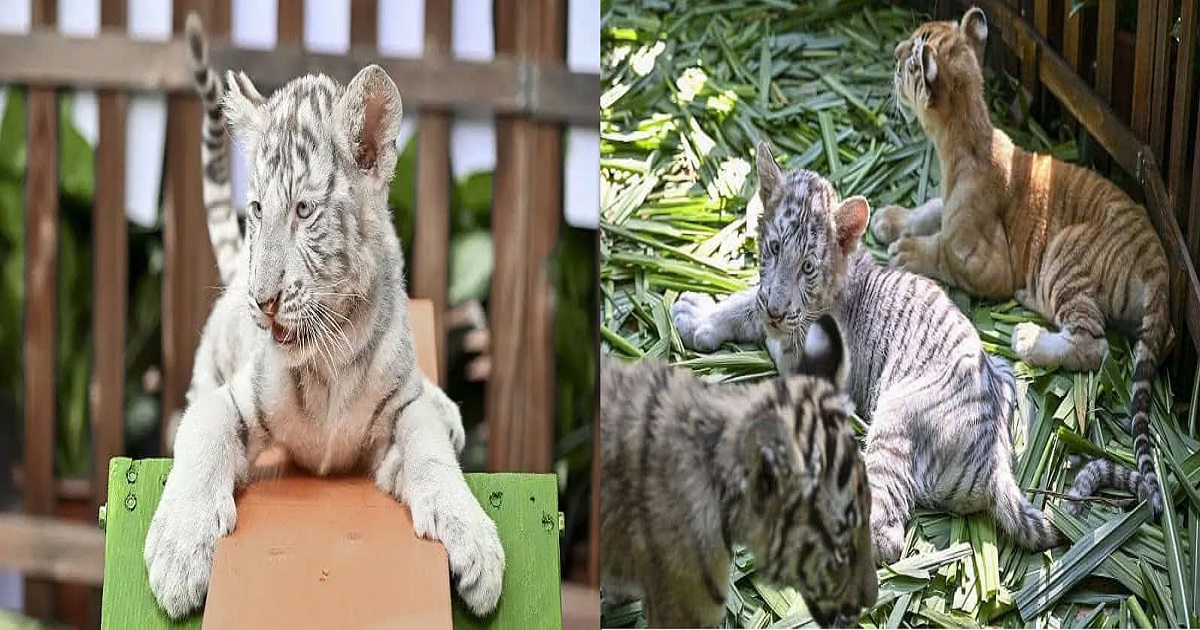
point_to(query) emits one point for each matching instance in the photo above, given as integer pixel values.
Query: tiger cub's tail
(223, 228)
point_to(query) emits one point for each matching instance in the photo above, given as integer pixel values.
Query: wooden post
(110, 277)
(431, 234)
(527, 213)
(190, 280)
(41, 274)
(1143, 69)
(1160, 87)
(1176, 170)
(1071, 47)
(1106, 38)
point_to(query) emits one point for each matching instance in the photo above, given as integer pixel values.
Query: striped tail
(1101, 473)
(223, 228)
(1139, 409)
(1014, 514)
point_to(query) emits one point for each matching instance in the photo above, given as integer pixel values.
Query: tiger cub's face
(810, 485)
(804, 238)
(320, 155)
(938, 60)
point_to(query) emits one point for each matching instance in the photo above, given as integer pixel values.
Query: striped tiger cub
(309, 348)
(939, 406)
(1063, 240)
(692, 467)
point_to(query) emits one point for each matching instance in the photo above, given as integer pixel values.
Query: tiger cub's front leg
(420, 468)
(704, 324)
(197, 506)
(891, 222)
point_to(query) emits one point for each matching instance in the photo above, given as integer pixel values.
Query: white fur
(349, 397)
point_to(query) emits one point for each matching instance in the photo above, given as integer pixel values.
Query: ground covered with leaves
(688, 87)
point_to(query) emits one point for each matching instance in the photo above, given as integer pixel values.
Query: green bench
(529, 531)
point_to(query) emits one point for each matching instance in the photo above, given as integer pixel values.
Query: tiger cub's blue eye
(807, 267)
(303, 210)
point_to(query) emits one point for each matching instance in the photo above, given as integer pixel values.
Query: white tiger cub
(309, 348)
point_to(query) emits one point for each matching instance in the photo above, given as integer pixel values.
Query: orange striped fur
(1062, 239)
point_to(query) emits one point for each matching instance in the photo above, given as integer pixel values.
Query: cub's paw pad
(692, 314)
(888, 223)
(1024, 340)
(179, 551)
(905, 253)
(477, 563)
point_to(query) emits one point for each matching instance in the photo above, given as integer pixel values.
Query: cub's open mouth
(282, 335)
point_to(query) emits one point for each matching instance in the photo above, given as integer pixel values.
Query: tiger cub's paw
(888, 224)
(692, 314)
(472, 547)
(180, 545)
(1025, 339)
(906, 253)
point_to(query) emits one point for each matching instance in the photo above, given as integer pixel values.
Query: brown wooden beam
(1159, 84)
(504, 85)
(41, 276)
(1143, 68)
(52, 549)
(527, 215)
(1180, 117)
(431, 240)
(110, 278)
(190, 280)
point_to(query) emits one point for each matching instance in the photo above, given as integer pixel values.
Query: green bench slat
(524, 506)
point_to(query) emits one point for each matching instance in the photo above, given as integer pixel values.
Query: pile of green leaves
(688, 87)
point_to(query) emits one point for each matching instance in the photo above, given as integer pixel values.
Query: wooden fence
(1132, 92)
(528, 88)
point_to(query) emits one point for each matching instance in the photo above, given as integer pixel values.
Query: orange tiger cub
(1063, 240)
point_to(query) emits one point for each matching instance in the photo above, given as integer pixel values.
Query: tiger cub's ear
(769, 173)
(974, 27)
(370, 111)
(769, 456)
(825, 353)
(850, 221)
(243, 105)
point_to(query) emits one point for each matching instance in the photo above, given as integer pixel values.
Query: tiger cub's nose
(268, 306)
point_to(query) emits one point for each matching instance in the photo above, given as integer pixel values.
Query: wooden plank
(1181, 109)
(41, 276)
(1041, 23)
(290, 27)
(520, 397)
(431, 243)
(69, 489)
(1193, 226)
(110, 278)
(1160, 88)
(501, 85)
(364, 22)
(325, 553)
(1143, 69)
(1071, 44)
(1106, 38)
(190, 280)
(1127, 151)
(52, 548)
